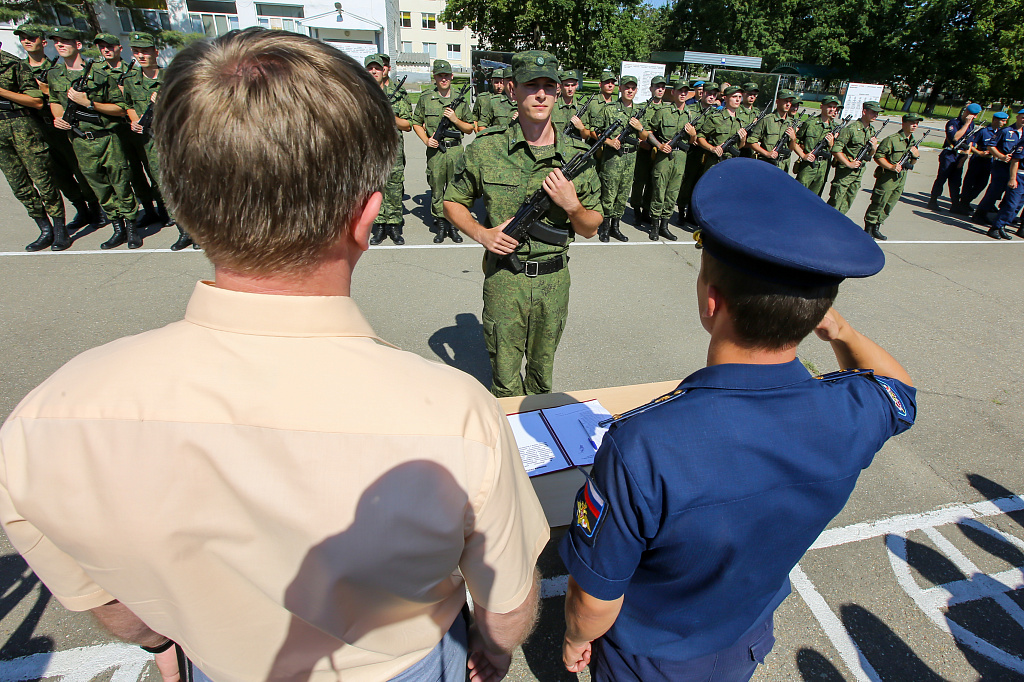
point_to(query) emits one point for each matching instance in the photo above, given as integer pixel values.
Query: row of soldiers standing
(81, 129)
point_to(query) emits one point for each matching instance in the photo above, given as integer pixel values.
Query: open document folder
(558, 438)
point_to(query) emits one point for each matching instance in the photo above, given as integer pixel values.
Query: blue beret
(1000, 114)
(974, 108)
(776, 229)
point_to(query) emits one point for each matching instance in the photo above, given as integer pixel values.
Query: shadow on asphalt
(462, 346)
(814, 666)
(20, 587)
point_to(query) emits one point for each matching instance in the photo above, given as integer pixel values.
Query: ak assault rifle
(964, 142)
(819, 148)
(628, 130)
(443, 131)
(570, 129)
(778, 148)
(677, 141)
(146, 120)
(120, 79)
(730, 144)
(528, 220)
(907, 156)
(867, 148)
(397, 92)
(75, 112)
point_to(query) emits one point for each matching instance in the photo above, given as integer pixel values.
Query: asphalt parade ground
(919, 578)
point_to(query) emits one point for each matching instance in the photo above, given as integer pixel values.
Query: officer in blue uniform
(700, 504)
(980, 166)
(952, 157)
(1007, 140)
(1013, 197)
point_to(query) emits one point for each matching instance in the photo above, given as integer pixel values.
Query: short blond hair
(270, 143)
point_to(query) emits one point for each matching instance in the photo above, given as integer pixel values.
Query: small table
(558, 490)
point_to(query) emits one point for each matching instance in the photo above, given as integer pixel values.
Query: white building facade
(423, 33)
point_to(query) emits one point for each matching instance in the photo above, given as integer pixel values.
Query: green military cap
(872, 106)
(65, 33)
(681, 84)
(626, 80)
(30, 31)
(732, 90)
(786, 94)
(441, 66)
(141, 39)
(708, 87)
(751, 87)
(385, 58)
(797, 101)
(659, 80)
(532, 64)
(374, 59)
(830, 100)
(498, 73)
(108, 38)
(607, 75)
(913, 118)
(571, 75)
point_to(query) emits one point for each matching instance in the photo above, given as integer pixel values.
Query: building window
(213, 25)
(406, 19)
(429, 20)
(406, 46)
(452, 26)
(152, 20)
(454, 52)
(430, 49)
(294, 11)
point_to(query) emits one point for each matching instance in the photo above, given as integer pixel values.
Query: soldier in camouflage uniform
(143, 187)
(391, 218)
(96, 144)
(66, 173)
(849, 171)
(890, 177)
(443, 156)
(718, 127)
(670, 163)
(810, 174)
(643, 187)
(705, 108)
(748, 110)
(618, 159)
(498, 109)
(481, 107)
(526, 285)
(140, 87)
(24, 156)
(593, 117)
(567, 104)
(770, 131)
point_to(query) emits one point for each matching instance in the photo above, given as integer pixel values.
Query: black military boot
(147, 217)
(83, 216)
(183, 240)
(61, 238)
(614, 231)
(453, 232)
(376, 234)
(395, 232)
(163, 215)
(933, 203)
(441, 231)
(961, 209)
(45, 235)
(652, 234)
(602, 231)
(134, 236)
(119, 237)
(663, 230)
(876, 232)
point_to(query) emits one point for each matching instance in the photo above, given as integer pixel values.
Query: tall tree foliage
(51, 12)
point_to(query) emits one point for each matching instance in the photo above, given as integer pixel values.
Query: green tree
(59, 12)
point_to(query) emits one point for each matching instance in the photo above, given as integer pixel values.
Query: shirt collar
(748, 377)
(517, 139)
(273, 315)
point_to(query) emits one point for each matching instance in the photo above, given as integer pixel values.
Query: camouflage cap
(785, 94)
(441, 66)
(108, 38)
(797, 101)
(751, 87)
(659, 80)
(607, 75)
(65, 33)
(373, 59)
(498, 73)
(30, 31)
(141, 39)
(871, 105)
(571, 75)
(533, 64)
(708, 87)
(830, 100)
(732, 90)
(627, 80)
(681, 84)
(915, 118)
(385, 58)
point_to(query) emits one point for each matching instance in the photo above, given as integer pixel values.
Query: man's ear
(360, 229)
(715, 303)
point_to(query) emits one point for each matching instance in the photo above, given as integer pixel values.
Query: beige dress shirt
(295, 500)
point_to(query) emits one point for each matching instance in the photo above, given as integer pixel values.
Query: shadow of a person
(17, 584)
(462, 346)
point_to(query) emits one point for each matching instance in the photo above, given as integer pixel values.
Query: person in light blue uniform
(951, 158)
(700, 504)
(1007, 140)
(980, 166)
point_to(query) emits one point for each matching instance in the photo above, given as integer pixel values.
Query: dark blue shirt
(986, 137)
(1007, 139)
(698, 508)
(952, 126)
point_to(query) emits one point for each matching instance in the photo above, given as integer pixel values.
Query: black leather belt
(533, 268)
(95, 135)
(17, 113)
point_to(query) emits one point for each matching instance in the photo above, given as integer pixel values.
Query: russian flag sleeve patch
(591, 508)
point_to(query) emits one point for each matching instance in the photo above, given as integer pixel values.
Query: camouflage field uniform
(392, 211)
(138, 89)
(479, 111)
(810, 134)
(669, 169)
(694, 166)
(562, 112)
(888, 184)
(497, 110)
(716, 128)
(66, 173)
(441, 162)
(522, 315)
(132, 144)
(617, 166)
(767, 132)
(24, 154)
(101, 158)
(846, 182)
(643, 185)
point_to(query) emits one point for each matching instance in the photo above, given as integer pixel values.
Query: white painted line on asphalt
(79, 665)
(833, 627)
(95, 252)
(939, 241)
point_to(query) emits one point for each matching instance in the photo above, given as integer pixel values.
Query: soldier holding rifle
(896, 153)
(811, 170)
(772, 131)
(391, 219)
(856, 143)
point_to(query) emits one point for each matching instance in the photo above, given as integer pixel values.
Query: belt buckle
(532, 271)
(87, 135)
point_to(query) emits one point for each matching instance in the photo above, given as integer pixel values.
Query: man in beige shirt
(254, 506)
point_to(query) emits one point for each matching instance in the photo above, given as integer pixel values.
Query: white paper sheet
(537, 447)
(576, 427)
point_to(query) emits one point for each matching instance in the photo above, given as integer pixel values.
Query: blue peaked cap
(760, 220)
